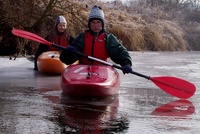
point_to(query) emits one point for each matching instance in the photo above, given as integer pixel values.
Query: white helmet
(60, 19)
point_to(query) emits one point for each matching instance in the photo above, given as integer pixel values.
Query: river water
(32, 103)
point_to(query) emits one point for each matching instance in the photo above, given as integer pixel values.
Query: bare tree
(36, 16)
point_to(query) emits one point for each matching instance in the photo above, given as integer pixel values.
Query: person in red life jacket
(58, 35)
(96, 42)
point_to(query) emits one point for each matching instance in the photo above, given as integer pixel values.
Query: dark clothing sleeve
(67, 61)
(71, 39)
(69, 58)
(117, 52)
(41, 48)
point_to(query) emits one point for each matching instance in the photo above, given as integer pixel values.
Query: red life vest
(62, 40)
(95, 47)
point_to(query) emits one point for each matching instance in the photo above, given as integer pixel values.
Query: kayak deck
(90, 80)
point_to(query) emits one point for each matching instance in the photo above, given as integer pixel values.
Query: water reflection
(178, 108)
(86, 115)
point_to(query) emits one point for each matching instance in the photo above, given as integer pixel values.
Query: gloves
(126, 69)
(70, 49)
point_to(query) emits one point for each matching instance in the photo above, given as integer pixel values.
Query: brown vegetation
(148, 25)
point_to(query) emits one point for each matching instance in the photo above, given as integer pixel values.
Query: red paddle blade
(175, 108)
(30, 36)
(175, 86)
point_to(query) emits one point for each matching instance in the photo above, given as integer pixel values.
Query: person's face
(96, 25)
(61, 27)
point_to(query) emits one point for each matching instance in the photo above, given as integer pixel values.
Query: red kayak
(90, 80)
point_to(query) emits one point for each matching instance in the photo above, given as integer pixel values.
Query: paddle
(171, 85)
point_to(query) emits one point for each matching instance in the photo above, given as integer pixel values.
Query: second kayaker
(96, 42)
(59, 35)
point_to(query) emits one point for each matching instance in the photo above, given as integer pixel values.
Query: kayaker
(96, 42)
(59, 35)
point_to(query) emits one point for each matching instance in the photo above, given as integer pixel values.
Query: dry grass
(147, 34)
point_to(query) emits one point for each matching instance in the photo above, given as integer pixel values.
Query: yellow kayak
(49, 63)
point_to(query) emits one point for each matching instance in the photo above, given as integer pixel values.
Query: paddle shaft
(163, 84)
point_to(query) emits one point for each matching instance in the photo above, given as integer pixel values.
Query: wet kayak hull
(90, 80)
(49, 63)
